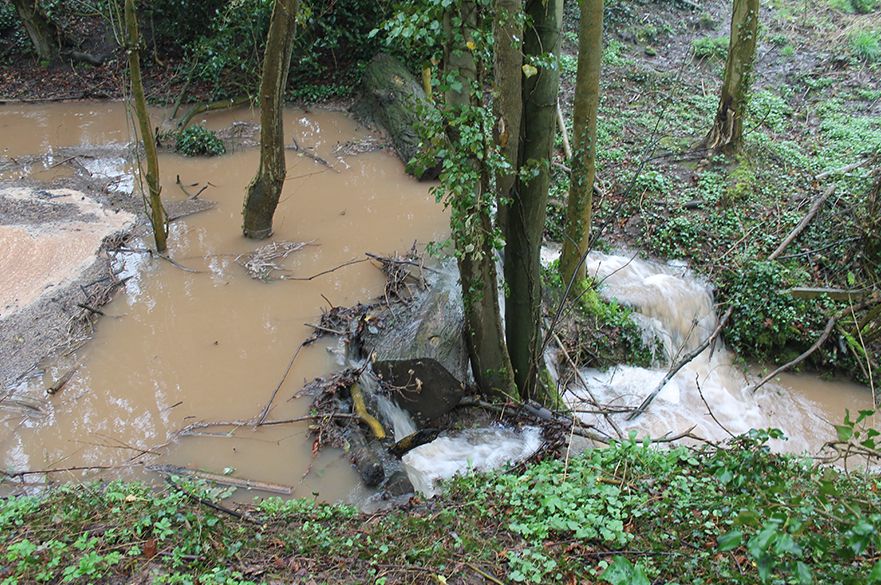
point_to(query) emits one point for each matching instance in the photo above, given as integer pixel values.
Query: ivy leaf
(529, 70)
(845, 432)
(623, 572)
(730, 541)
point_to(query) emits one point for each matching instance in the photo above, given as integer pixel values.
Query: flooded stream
(201, 340)
(178, 346)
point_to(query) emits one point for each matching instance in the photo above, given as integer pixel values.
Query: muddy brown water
(177, 347)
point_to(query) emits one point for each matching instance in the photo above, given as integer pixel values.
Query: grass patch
(865, 45)
(713, 48)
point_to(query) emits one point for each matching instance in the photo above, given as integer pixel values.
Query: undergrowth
(629, 514)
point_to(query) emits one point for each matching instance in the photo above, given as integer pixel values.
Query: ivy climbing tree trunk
(265, 189)
(727, 132)
(576, 238)
(42, 32)
(157, 211)
(528, 208)
(507, 101)
(471, 210)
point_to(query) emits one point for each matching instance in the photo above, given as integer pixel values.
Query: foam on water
(470, 450)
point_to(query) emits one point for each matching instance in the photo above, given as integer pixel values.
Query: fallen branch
(179, 265)
(827, 331)
(210, 107)
(309, 154)
(190, 429)
(323, 272)
(815, 208)
(681, 363)
(63, 470)
(210, 504)
(262, 416)
(844, 169)
(236, 482)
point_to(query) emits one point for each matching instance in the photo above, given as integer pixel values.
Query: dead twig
(584, 384)
(262, 416)
(710, 410)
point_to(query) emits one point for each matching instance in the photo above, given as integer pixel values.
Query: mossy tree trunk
(727, 132)
(528, 207)
(43, 33)
(394, 99)
(265, 189)
(576, 239)
(157, 211)
(484, 334)
(507, 101)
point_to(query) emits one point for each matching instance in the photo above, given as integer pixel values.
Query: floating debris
(263, 263)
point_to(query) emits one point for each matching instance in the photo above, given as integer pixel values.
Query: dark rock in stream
(398, 485)
(419, 354)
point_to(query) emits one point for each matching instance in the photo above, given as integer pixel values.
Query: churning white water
(470, 450)
(673, 306)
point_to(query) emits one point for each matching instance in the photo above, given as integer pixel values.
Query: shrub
(865, 45)
(766, 319)
(715, 48)
(855, 6)
(199, 141)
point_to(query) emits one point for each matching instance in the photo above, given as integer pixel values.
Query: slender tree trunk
(528, 209)
(157, 211)
(484, 333)
(265, 189)
(587, 101)
(727, 132)
(43, 33)
(508, 104)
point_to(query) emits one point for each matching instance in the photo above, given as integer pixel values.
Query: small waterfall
(470, 450)
(400, 420)
(672, 305)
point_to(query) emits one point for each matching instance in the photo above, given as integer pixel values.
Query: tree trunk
(42, 31)
(157, 212)
(508, 105)
(484, 334)
(265, 189)
(587, 101)
(727, 132)
(392, 98)
(528, 208)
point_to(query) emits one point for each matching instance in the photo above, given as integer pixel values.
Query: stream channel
(177, 346)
